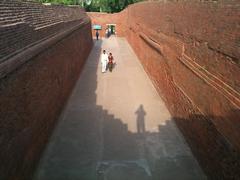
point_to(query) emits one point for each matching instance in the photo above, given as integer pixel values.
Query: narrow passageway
(116, 127)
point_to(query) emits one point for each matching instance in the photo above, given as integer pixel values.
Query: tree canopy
(109, 6)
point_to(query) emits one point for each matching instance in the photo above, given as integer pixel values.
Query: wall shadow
(212, 149)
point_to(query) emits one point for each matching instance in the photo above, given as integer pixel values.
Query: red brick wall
(23, 23)
(42, 51)
(191, 52)
(32, 97)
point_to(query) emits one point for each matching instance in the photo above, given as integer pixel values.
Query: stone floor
(116, 127)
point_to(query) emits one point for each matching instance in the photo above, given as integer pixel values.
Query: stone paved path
(116, 127)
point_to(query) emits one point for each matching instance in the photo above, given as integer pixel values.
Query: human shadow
(140, 121)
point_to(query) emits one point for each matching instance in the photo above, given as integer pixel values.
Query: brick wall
(191, 51)
(24, 22)
(33, 93)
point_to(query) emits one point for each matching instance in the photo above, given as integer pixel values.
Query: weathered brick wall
(33, 94)
(23, 23)
(191, 51)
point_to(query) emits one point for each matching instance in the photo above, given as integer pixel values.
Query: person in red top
(110, 62)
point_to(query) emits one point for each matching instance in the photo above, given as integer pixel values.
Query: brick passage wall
(191, 51)
(33, 94)
(23, 23)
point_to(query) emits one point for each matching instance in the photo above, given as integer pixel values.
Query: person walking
(110, 62)
(104, 61)
(97, 34)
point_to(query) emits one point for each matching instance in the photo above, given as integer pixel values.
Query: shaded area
(222, 153)
(74, 149)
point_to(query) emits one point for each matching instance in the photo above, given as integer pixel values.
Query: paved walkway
(116, 127)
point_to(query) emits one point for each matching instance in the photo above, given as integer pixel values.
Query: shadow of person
(140, 113)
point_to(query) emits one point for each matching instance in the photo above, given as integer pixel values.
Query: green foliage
(109, 6)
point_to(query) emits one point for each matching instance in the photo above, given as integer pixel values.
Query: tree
(109, 6)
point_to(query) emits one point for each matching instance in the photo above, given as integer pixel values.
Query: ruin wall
(38, 70)
(25, 23)
(191, 52)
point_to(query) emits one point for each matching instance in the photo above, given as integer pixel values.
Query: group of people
(108, 32)
(107, 61)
